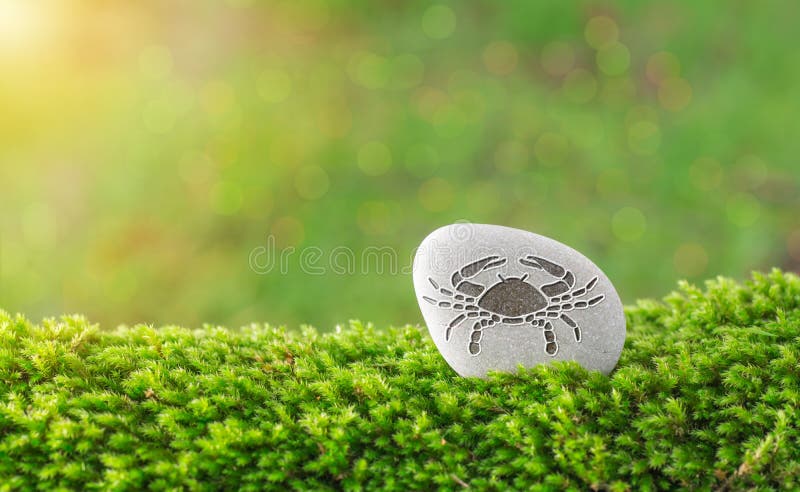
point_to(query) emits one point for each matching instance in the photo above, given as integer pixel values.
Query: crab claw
(546, 265)
(475, 268)
(530, 263)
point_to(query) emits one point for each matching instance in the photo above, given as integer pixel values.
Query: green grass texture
(705, 396)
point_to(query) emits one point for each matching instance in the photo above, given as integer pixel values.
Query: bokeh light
(558, 58)
(644, 137)
(147, 149)
(155, 61)
(691, 259)
(38, 226)
(25, 27)
(580, 86)
(674, 94)
(629, 224)
(274, 85)
(749, 172)
(662, 66)
(311, 182)
(374, 158)
(226, 197)
(601, 32)
(511, 157)
(551, 148)
(500, 57)
(421, 160)
(613, 59)
(370, 70)
(613, 183)
(706, 173)
(288, 231)
(436, 194)
(743, 209)
(374, 217)
(439, 21)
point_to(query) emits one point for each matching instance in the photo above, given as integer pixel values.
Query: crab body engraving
(512, 297)
(514, 300)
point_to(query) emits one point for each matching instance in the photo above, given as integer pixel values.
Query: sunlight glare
(23, 26)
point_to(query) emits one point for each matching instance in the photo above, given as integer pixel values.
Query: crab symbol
(513, 300)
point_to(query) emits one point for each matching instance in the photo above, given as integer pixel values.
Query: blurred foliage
(147, 150)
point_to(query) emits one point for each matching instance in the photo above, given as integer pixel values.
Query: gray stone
(495, 298)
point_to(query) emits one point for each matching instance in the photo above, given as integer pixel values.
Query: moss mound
(705, 396)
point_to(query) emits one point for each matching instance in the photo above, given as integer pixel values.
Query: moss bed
(705, 396)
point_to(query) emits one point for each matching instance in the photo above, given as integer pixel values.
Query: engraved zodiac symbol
(514, 301)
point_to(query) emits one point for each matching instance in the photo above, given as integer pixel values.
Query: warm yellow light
(23, 26)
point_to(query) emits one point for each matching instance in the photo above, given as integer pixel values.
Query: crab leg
(577, 292)
(475, 336)
(453, 323)
(448, 293)
(554, 310)
(444, 291)
(585, 289)
(576, 330)
(457, 306)
(465, 311)
(550, 344)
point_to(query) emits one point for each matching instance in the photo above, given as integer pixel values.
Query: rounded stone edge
(421, 251)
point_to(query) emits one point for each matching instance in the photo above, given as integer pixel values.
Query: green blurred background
(148, 149)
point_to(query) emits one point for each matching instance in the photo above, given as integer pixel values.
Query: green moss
(705, 396)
